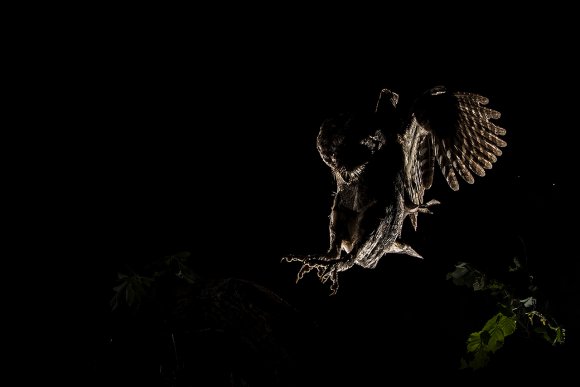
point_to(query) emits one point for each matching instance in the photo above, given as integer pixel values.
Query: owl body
(384, 162)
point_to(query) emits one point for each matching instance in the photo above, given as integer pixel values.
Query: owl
(384, 161)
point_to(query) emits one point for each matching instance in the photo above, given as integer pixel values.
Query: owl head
(347, 142)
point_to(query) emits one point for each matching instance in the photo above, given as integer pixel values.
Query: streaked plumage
(385, 161)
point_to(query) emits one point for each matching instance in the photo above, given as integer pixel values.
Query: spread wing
(453, 130)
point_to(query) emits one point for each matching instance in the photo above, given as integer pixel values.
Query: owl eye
(374, 142)
(368, 142)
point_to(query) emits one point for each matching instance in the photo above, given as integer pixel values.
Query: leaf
(495, 285)
(476, 361)
(474, 342)
(461, 269)
(485, 337)
(479, 283)
(120, 287)
(499, 321)
(465, 275)
(529, 302)
(131, 289)
(543, 331)
(517, 265)
(130, 295)
(505, 310)
(498, 327)
(480, 360)
(512, 310)
(187, 274)
(477, 351)
(114, 302)
(507, 324)
(489, 339)
(496, 341)
(560, 336)
(554, 334)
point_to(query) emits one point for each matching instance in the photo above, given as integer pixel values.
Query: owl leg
(413, 210)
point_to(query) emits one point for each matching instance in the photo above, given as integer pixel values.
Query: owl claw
(424, 208)
(431, 203)
(326, 269)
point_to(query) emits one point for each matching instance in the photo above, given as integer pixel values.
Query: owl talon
(292, 258)
(305, 269)
(432, 202)
(423, 208)
(326, 269)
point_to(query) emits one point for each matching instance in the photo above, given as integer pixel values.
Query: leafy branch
(197, 325)
(132, 289)
(514, 313)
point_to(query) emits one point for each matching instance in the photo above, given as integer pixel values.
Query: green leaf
(491, 337)
(488, 340)
(560, 336)
(507, 324)
(485, 337)
(476, 361)
(461, 269)
(512, 310)
(480, 360)
(479, 283)
(554, 334)
(474, 342)
(500, 322)
(492, 322)
(131, 289)
(495, 285)
(498, 327)
(465, 275)
(505, 310)
(496, 342)
(543, 331)
(477, 351)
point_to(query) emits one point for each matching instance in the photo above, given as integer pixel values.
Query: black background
(201, 137)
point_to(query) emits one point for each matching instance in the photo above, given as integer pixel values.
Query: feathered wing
(454, 130)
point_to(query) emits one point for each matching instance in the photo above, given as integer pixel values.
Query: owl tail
(403, 248)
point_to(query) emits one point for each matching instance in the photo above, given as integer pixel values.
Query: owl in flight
(383, 163)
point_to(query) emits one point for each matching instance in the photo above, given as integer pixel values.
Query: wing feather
(456, 131)
(427, 161)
